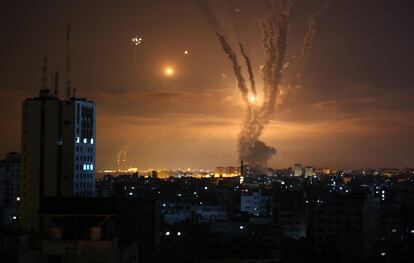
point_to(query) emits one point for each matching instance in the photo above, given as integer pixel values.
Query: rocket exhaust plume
(241, 82)
(307, 43)
(275, 30)
(249, 69)
(212, 20)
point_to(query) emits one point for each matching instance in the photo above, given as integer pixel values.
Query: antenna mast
(68, 64)
(44, 75)
(56, 88)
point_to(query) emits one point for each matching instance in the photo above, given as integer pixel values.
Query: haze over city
(353, 106)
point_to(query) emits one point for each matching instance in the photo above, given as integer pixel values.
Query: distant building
(228, 171)
(219, 171)
(308, 171)
(9, 188)
(326, 171)
(58, 150)
(256, 204)
(297, 170)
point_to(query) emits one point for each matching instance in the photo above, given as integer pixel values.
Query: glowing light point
(185, 52)
(169, 71)
(252, 99)
(136, 41)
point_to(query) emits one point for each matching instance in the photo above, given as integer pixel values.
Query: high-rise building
(9, 187)
(58, 149)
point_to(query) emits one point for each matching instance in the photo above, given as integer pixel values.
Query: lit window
(91, 167)
(18, 198)
(85, 140)
(167, 233)
(14, 217)
(77, 140)
(178, 233)
(241, 227)
(91, 140)
(84, 167)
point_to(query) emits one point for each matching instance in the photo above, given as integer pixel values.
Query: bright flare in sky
(252, 99)
(169, 71)
(136, 40)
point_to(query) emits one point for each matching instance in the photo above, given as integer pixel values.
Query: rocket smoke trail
(281, 50)
(241, 82)
(212, 20)
(275, 30)
(304, 53)
(249, 69)
(307, 43)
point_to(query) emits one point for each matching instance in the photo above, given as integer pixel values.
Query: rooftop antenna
(56, 88)
(44, 75)
(51, 79)
(68, 80)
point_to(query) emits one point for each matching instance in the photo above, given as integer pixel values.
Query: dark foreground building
(94, 230)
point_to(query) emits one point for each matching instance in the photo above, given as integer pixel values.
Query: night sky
(355, 107)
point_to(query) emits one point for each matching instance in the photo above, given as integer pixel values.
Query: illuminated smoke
(251, 149)
(260, 153)
(275, 30)
(241, 82)
(280, 46)
(212, 20)
(307, 43)
(249, 69)
(121, 157)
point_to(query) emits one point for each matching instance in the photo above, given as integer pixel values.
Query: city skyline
(353, 110)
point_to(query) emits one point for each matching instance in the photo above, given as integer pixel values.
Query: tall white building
(9, 188)
(58, 150)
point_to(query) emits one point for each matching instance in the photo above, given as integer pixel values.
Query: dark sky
(355, 107)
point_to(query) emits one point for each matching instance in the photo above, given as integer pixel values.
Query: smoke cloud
(275, 30)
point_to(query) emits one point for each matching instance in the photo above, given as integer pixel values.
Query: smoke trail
(251, 149)
(249, 69)
(212, 20)
(279, 61)
(307, 43)
(241, 83)
(275, 32)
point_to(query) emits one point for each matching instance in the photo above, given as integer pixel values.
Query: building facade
(58, 151)
(9, 188)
